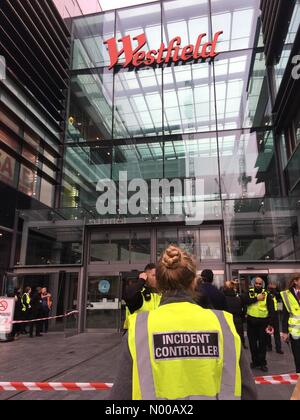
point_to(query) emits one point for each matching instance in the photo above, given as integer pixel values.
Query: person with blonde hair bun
(181, 350)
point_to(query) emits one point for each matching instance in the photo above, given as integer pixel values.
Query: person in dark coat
(36, 312)
(236, 308)
(18, 315)
(208, 295)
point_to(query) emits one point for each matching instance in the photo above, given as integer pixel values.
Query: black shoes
(264, 368)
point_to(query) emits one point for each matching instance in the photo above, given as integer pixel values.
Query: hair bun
(172, 257)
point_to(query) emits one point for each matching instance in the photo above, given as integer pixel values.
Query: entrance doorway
(103, 302)
(63, 286)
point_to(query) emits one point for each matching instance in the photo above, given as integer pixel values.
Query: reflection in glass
(138, 103)
(166, 237)
(247, 164)
(288, 44)
(210, 244)
(188, 240)
(89, 34)
(140, 246)
(189, 99)
(238, 20)
(54, 246)
(232, 76)
(196, 156)
(84, 168)
(143, 161)
(120, 246)
(262, 229)
(90, 116)
(103, 305)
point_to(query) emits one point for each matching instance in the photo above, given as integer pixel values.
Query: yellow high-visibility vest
(258, 309)
(149, 305)
(182, 351)
(293, 308)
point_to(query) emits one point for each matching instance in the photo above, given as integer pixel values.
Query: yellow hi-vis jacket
(293, 307)
(147, 306)
(258, 309)
(182, 351)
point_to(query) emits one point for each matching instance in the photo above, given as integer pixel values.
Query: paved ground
(92, 358)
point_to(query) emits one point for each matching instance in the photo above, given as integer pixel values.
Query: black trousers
(257, 340)
(295, 344)
(277, 337)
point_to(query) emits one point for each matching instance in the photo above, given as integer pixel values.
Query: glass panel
(233, 94)
(100, 247)
(84, 168)
(140, 246)
(288, 44)
(90, 117)
(247, 164)
(103, 303)
(9, 140)
(138, 103)
(47, 193)
(29, 182)
(238, 20)
(138, 20)
(143, 161)
(8, 169)
(195, 156)
(210, 245)
(262, 229)
(71, 322)
(189, 99)
(188, 240)
(89, 36)
(185, 18)
(165, 238)
(54, 245)
(292, 169)
(120, 246)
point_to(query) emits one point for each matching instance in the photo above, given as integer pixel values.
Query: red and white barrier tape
(76, 386)
(277, 379)
(45, 319)
(53, 386)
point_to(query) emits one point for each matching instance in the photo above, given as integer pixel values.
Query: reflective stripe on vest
(258, 309)
(293, 308)
(231, 355)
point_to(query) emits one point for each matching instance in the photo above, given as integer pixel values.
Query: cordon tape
(288, 379)
(29, 321)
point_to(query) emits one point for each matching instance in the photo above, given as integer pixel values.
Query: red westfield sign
(172, 53)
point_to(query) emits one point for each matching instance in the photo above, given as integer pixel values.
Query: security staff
(291, 317)
(181, 350)
(142, 296)
(272, 290)
(260, 314)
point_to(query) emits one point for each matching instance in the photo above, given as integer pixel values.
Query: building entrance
(63, 286)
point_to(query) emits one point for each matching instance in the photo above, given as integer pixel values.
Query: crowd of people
(31, 305)
(184, 338)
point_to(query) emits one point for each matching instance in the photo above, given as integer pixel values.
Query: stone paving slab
(93, 358)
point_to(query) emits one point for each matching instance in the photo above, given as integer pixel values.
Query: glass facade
(210, 120)
(200, 119)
